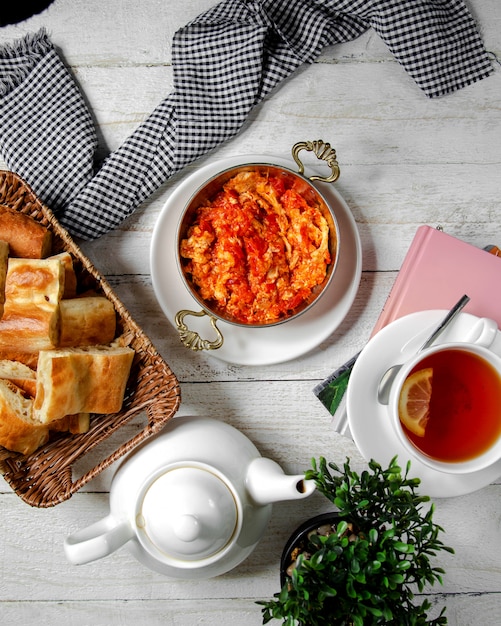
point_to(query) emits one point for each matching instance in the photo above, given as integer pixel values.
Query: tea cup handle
(97, 541)
(483, 332)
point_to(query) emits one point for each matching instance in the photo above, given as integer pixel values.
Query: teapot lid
(188, 513)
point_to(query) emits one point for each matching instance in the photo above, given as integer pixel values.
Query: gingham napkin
(225, 62)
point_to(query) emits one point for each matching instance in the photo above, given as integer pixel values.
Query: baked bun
(26, 237)
(35, 280)
(26, 358)
(29, 327)
(20, 374)
(70, 278)
(81, 380)
(86, 321)
(18, 430)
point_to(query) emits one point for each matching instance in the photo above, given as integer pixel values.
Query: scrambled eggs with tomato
(258, 248)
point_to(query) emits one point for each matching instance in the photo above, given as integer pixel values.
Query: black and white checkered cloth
(225, 62)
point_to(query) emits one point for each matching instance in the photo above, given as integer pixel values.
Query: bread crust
(81, 380)
(74, 424)
(26, 358)
(70, 277)
(4, 257)
(18, 431)
(26, 237)
(87, 321)
(29, 327)
(20, 374)
(35, 280)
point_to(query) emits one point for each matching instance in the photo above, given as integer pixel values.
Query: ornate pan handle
(324, 152)
(190, 338)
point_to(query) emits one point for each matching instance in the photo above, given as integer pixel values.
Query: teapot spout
(266, 483)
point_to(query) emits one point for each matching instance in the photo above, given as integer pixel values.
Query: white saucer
(368, 419)
(257, 346)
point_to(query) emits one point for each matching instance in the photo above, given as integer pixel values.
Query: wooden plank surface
(405, 160)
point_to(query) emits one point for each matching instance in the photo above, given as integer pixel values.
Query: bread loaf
(26, 358)
(29, 327)
(81, 380)
(20, 374)
(26, 237)
(18, 430)
(35, 280)
(4, 257)
(70, 278)
(74, 424)
(87, 321)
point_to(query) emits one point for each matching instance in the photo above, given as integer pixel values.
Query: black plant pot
(299, 539)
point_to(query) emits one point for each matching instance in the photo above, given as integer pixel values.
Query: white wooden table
(406, 161)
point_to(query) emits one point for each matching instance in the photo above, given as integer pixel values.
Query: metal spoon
(383, 392)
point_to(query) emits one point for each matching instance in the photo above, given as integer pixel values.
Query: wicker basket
(45, 478)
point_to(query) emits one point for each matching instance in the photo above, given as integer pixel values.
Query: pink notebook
(437, 270)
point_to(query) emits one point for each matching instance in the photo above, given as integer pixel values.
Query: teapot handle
(97, 541)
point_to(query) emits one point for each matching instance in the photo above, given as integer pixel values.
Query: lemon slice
(414, 401)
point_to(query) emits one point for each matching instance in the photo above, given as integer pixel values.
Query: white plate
(369, 420)
(257, 346)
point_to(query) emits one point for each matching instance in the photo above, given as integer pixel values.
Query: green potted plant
(364, 566)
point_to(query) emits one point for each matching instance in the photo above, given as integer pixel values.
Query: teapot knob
(187, 528)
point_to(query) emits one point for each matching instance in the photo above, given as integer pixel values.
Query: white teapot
(192, 502)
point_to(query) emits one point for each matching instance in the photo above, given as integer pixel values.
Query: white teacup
(463, 430)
